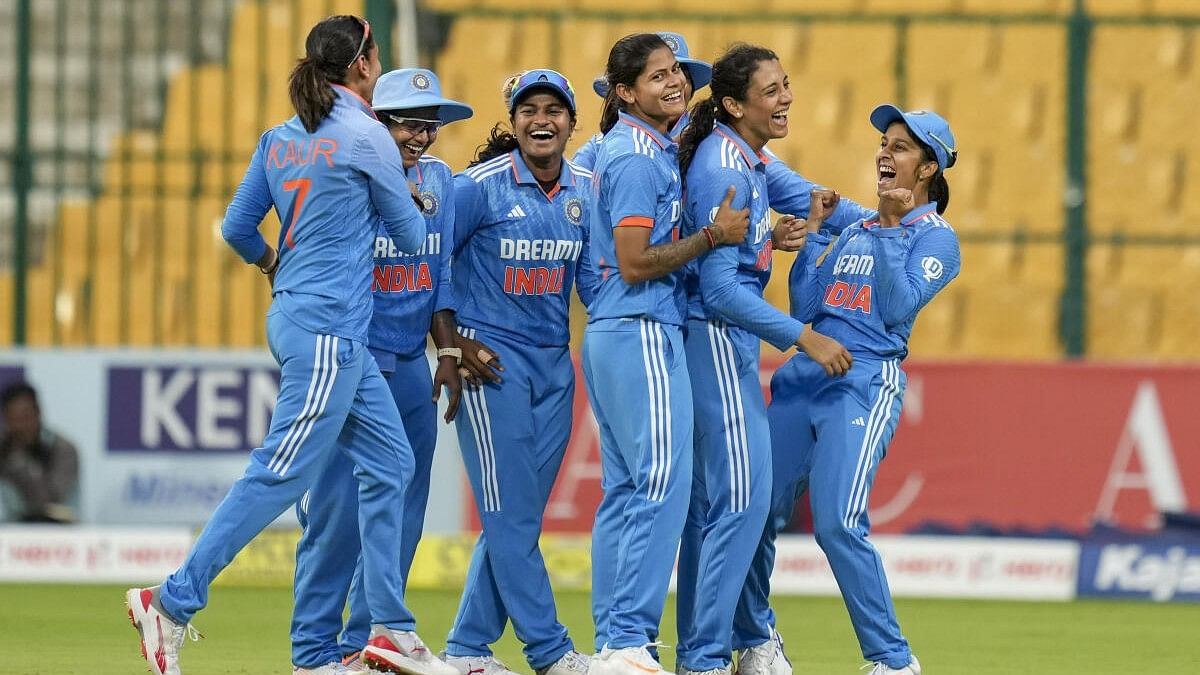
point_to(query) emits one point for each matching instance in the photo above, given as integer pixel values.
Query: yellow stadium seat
(1014, 320)
(1042, 265)
(987, 263)
(1148, 265)
(1001, 88)
(6, 308)
(938, 330)
(1118, 7)
(1124, 322)
(1016, 6)
(1180, 324)
(909, 6)
(823, 7)
(1176, 7)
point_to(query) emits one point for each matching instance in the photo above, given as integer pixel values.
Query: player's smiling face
(658, 95)
(900, 161)
(764, 114)
(414, 134)
(542, 124)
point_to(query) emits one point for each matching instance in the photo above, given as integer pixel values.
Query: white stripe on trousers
(481, 425)
(324, 373)
(877, 424)
(734, 414)
(658, 384)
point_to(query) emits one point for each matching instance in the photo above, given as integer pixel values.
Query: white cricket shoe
(913, 668)
(161, 636)
(570, 663)
(625, 661)
(334, 668)
(353, 664)
(402, 651)
(765, 659)
(477, 665)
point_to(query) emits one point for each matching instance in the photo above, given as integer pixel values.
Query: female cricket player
(829, 435)
(331, 172)
(411, 294)
(728, 315)
(521, 243)
(633, 356)
(697, 73)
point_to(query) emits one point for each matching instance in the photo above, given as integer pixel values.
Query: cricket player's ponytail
(939, 189)
(332, 46)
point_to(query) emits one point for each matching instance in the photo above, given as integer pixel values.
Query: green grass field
(83, 630)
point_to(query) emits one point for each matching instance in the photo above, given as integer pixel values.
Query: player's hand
(894, 204)
(789, 234)
(479, 362)
(820, 204)
(827, 352)
(447, 375)
(729, 226)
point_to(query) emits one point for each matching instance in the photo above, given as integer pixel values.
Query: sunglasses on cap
(414, 126)
(543, 78)
(951, 153)
(366, 34)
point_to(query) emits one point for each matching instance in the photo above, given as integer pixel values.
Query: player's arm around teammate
(866, 292)
(521, 216)
(634, 362)
(723, 146)
(411, 299)
(327, 171)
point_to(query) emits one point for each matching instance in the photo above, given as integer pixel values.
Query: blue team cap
(542, 78)
(699, 71)
(927, 127)
(409, 88)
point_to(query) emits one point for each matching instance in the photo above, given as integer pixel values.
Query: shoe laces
(180, 631)
(575, 661)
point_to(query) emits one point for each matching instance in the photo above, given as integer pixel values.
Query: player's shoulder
(578, 171)
(933, 222)
(434, 167)
(488, 170)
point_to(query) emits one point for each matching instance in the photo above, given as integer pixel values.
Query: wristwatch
(451, 351)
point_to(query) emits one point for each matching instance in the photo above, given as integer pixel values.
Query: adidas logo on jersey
(858, 422)
(517, 212)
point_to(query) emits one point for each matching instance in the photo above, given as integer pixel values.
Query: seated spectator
(41, 467)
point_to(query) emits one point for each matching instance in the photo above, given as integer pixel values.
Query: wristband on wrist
(708, 236)
(272, 267)
(451, 351)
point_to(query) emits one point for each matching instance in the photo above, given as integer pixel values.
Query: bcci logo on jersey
(429, 203)
(574, 210)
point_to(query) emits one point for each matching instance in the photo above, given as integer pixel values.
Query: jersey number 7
(301, 187)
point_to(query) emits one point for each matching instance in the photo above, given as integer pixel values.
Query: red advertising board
(1009, 445)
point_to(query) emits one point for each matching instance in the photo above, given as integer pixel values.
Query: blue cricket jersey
(868, 289)
(409, 288)
(330, 189)
(636, 184)
(519, 249)
(727, 282)
(585, 156)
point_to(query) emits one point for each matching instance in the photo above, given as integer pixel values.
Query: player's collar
(524, 176)
(663, 141)
(349, 97)
(909, 218)
(752, 158)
